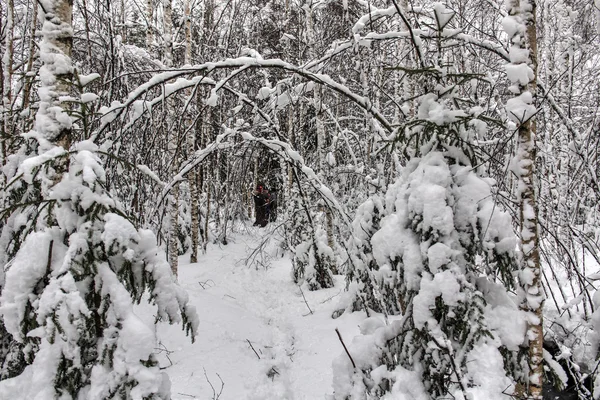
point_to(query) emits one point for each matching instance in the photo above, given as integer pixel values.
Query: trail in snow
(256, 331)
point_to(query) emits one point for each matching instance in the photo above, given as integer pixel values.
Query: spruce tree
(74, 265)
(436, 255)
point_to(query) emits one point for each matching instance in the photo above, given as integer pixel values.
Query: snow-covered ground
(256, 332)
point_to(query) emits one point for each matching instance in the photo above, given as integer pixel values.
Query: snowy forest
(433, 224)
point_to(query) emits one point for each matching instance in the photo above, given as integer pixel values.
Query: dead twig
(252, 347)
(207, 283)
(272, 372)
(305, 302)
(331, 297)
(216, 395)
(164, 349)
(49, 264)
(345, 348)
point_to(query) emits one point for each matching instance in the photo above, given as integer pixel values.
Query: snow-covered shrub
(441, 242)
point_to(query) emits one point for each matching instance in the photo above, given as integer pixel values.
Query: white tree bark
(168, 32)
(56, 73)
(207, 137)
(32, 46)
(520, 25)
(317, 95)
(191, 140)
(173, 144)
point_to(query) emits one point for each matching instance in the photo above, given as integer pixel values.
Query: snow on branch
(282, 149)
(242, 63)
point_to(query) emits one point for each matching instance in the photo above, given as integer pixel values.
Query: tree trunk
(149, 31)
(207, 137)
(320, 127)
(317, 95)
(191, 139)
(290, 167)
(32, 46)
(55, 52)
(173, 145)
(524, 38)
(168, 32)
(6, 75)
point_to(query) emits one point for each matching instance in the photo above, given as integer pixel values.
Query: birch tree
(522, 71)
(191, 140)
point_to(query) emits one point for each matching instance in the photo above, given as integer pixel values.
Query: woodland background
(466, 131)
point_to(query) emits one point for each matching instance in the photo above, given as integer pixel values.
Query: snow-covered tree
(436, 255)
(440, 247)
(74, 266)
(345, 98)
(520, 25)
(312, 257)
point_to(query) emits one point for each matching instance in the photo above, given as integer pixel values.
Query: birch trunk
(529, 219)
(149, 27)
(317, 95)
(191, 139)
(290, 167)
(7, 76)
(174, 208)
(55, 52)
(173, 144)
(522, 113)
(29, 80)
(320, 126)
(168, 32)
(207, 171)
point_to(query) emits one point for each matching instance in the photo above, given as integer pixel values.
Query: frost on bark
(52, 120)
(520, 25)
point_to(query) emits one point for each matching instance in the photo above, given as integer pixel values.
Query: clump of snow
(86, 79)
(521, 107)
(89, 97)
(213, 99)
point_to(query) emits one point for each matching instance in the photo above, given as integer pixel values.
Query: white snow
(239, 306)
(85, 79)
(89, 97)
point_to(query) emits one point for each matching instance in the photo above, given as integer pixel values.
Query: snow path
(240, 305)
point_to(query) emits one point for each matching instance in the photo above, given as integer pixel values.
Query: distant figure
(261, 202)
(272, 208)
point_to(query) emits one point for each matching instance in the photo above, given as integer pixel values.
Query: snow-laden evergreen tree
(73, 265)
(435, 254)
(442, 248)
(370, 287)
(312, 258)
